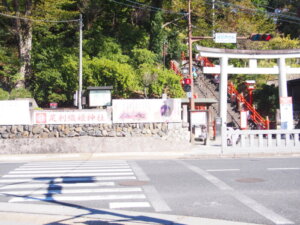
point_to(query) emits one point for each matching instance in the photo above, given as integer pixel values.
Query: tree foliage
(123, 42)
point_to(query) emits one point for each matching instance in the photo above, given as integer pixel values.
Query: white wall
(14, 112)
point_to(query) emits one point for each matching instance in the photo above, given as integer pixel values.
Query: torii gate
(225, 54)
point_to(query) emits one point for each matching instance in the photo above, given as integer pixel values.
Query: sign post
(225, 37)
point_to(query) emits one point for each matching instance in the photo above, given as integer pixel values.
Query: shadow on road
(55, 188)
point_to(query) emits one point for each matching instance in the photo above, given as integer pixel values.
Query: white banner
(71, 117)
(286, 113)
(15, 112)
(244, 119)
(146, 110)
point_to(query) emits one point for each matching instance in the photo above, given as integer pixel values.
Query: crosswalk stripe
(78, 162)
(120, 205)
(70, 179)
(71, 167)
(63, 185)
(71, 174)
(77, 198)
(70, 191)
(66, 171)
(71, 164)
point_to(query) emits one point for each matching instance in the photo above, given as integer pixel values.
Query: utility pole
(80, 63)
(192, 105)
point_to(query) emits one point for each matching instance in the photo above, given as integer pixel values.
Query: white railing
(287, 140)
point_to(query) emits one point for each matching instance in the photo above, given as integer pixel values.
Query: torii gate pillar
(223, 97)
(282, 77)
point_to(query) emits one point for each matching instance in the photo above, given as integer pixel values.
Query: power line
(286, 18)
(38, 20)
(268, 7)
(147, 7)
(260, 11)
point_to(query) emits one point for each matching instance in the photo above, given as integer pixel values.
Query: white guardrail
(264, 139)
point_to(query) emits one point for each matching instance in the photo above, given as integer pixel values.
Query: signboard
(99, 98)
(225, 37)
(286, 113)
(146, 110)
(199, 118)
(71, 117)
(15, 112)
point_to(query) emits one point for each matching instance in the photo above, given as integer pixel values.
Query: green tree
(156, 34)
(22, 29)
(142, 56)
(267, 101)
(156, 81)
(106, 72)
(9, 67)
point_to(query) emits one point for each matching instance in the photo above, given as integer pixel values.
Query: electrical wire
(268, 7)
(38, 20)
(286, 18)
(147, 7)
(260, 11)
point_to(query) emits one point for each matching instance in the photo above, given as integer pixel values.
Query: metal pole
(80, 63)
(213, 17)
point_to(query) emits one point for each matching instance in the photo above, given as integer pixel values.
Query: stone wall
(165, 131)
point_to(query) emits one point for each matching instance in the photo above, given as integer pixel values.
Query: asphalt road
(264, 191)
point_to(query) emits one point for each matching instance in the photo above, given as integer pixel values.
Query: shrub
(20, 93)
(54, 97)
(4, 95)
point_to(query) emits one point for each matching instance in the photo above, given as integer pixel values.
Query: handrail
(255, 116)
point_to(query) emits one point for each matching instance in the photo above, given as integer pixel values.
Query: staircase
(205, 87)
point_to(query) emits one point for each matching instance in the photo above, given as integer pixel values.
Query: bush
(20, 93)
(54, 97)
(4, 95)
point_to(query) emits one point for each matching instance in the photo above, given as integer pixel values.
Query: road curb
(196, 154)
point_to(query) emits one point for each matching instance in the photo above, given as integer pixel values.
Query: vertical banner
(244, 120)
(286, 113)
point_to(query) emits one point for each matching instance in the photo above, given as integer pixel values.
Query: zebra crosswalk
(96, 182)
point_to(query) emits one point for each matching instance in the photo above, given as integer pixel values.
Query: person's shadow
(55, 188)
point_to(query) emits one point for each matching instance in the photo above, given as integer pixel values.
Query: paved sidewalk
(194, 152)
(34, 214)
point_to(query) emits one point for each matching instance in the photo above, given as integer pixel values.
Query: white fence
(256, 140)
